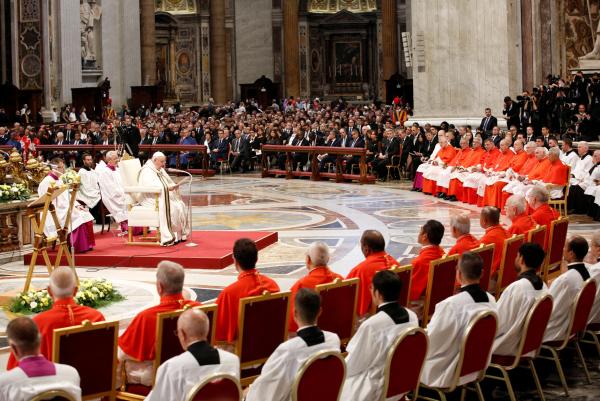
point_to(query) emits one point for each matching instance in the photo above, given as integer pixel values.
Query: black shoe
(414, 189)
(441, 195)
(419, 190)
(452, 198)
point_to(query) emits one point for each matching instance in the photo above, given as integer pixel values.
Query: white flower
(33, 305)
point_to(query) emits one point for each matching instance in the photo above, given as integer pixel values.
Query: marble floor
(303, 212)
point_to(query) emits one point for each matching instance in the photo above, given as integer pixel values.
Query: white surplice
(581, 170)
(61, 204)
(423, 167)
(16, 386)
(446, 331)
(367, 353)
(280, 370)
(595, 312)
(177, 376)
(113, 194)
(571, 158)
(173, 212)
(89, 189)
(513, 307)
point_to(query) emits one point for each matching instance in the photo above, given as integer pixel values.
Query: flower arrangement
(70, 176)
(13, 192)
(94, 293)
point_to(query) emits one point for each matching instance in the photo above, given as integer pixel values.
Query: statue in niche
(89, 13)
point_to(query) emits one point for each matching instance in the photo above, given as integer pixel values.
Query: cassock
(557, 175)
(89, 189)
(249, 283)
(521, 225)
(513, 307)
(368, 350)
(581, 170)
(594, 271)
(544, 216)
(81, 226)
(113, 194)
(487, 162)
(365, 271)
(459, 160)
(444, 156)
(464, 243)
(535, 175)
(177, 376)
(64, 313)
(174, 222)
(420, 272)
(458, 178)
(495, 235)
(36, 374)
(570, 158)
(280, 370)
(513, 183)
(450, 321)
(494, 183)
(423, 167)
(564, 290)
(318, 275)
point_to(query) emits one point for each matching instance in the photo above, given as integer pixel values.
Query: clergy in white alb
(111, 188)
(447, 328)
(570, 156)
(174, 223)
(34, 373)
(564, 289)
(518, 298)
(369, 347)
(89, 189)
(178, 375)
(280, 370)
(423, 167)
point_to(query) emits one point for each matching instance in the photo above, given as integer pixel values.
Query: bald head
(170, 277)
(23, 337)
(490, 216)
(192, 326)
(63, 283)
(372, 241)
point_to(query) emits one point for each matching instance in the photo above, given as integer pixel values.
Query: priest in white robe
(89, 189)
(280, 370)
(447, 328)
(81, 226)
(369, 347)
(570, 156)
(518, 298)
(177, 376)
(174, 221)
(111, 189)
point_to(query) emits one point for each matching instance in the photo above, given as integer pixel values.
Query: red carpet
(213, 251)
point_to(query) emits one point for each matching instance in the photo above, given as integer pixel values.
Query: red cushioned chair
(440, 284)
(404, 274)
(320, 377)
(217, 387)
(404, 363)
(262, 326)
(579, 316)
(474, 356)
(338, 307)
(533, 331)
(506, 272)
(556, 245)
(486, 252)
(97, 364)
(537, 235)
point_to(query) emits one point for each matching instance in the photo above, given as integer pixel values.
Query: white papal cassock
(172, 210)
(280, 370)
(513, 307)
(367, 352)
(177, 376)
(446, 331)
(564, 290)
(89, 189)
(595, 312)
(113, 194)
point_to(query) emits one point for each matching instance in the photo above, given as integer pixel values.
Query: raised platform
(214, 251)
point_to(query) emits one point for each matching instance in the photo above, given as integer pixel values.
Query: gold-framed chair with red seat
(338, 307)
(537, 235)
(404, 363)
(473, 359)
(53, 395)
(216, 387)
(506, 272)
(580, 313)
(533, 331)
(404, 274)
(97, 364)
(486, 253)
(440, 284)
(320, 377)
(556, 245)
(262, 326)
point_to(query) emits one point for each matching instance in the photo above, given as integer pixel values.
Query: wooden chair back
(404, 274)
(486, 252)
(507, 273)
(216, 387)
(338, 307)
(320, 377)
(440, 284)
(556, 245)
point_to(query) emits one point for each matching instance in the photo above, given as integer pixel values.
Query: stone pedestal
(588, 67)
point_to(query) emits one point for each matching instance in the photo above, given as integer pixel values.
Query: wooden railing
(313, 152)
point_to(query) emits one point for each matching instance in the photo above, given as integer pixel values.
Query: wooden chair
(556, 246)
(53, 395)
(440, 284)
(486, 252)
(320, 377)
(533, 331)
(394, 165)
(537, 235)
(404, 363)
(338, 307)
(91, 348)
(216, 387)
(474, 356)
(562, 202)
(262, 326)
(507, 273)
(577, 323)
(405, 274)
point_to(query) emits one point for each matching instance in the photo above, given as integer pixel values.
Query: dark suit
(152, 140)
(487, 123)
(131, 138)
(240, 146)
(220, 145)
(512, 115)
(497, 139)
(299, 159)
(391, 149)
(352, 160)
(335, 143)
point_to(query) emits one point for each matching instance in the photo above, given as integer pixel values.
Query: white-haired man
(515, 178)
(516, 211)
(460, 228)
(541, 212)
(174, 224)
(111, 188)
(584, 184)
(524, 183)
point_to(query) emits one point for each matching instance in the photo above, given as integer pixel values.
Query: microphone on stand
(190, 243)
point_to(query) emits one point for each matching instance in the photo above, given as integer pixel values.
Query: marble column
(218, 54)
(291, 50)
(390, 37)
(527, 40)
(148, 42)
(172, 68)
